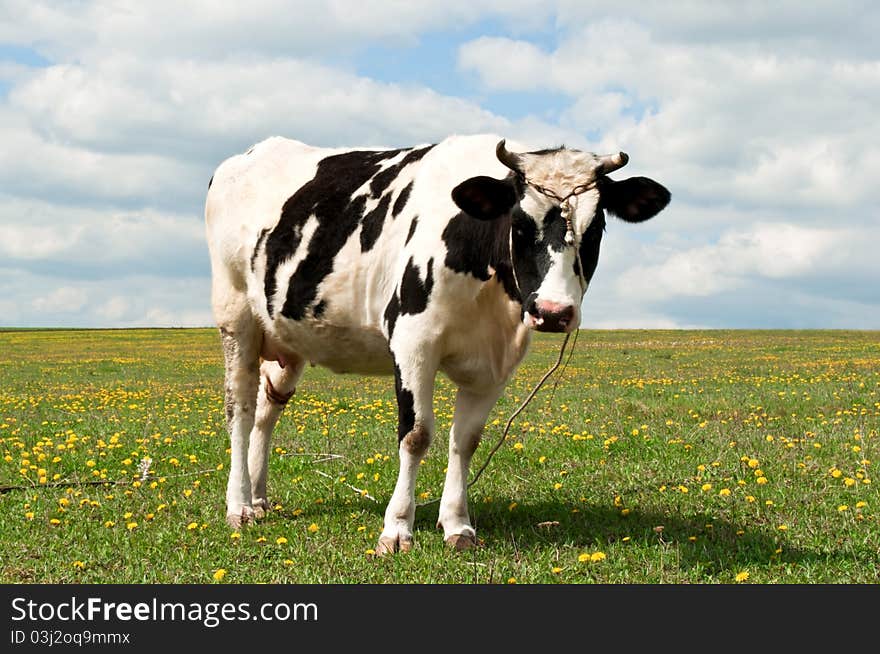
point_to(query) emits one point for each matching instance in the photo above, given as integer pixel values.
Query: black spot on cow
(530, 255)
(327, 196)
(412, 229)
(474, 246)
(414, 293)
(382, 181)
(210, 181)
(392, 311)
(553, 230)
(406, 415)
(401, 200)
(319, 309)
(371, 227)
(589, 247)
(263, 233)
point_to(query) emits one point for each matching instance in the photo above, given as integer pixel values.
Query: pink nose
(552, 316)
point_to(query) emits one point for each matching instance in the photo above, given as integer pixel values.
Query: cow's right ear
(484, 198)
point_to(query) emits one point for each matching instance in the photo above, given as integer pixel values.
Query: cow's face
(554, 203)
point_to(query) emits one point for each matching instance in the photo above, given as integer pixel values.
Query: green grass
(681, 456)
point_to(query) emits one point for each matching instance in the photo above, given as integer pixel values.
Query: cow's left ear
(634, 199)
(484, 198)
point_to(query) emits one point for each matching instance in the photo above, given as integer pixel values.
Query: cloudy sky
(760, 117)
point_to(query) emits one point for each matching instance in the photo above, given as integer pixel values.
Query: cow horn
(509, 159)
(611, 162)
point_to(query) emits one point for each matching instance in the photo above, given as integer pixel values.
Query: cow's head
(555, 201)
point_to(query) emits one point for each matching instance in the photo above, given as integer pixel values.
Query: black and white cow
(412, 261)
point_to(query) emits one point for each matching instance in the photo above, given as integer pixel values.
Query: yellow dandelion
(753, 463)
(741, 576)
(131, 525)
(584, 558)
(192, 525)
(313, 528)
(29, 515)
(782, 527)
(54, 521)
(849, 481)
(288, 561)
(261, 539)
(517, 446)
(724, 492)
(512, 580)
(761, 480)
(219, 573)
(235, 535)
(843, 507)
(281, 540)
(706, 487)
(556, 571)
(861, 505)
(595, 557)
(79, 565)
(109, 524)
(370, 552)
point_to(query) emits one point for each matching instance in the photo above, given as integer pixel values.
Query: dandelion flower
(724, 492)
(595, 557)
(741, 576)
(281, 540)
(753, 463)
(219, 573)
(843, 507)
(131, 525)
(556, 571)
(192, 525)
(313, 528)
(235, 535)
(512, 580)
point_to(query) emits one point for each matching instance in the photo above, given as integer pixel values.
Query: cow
(439, 257)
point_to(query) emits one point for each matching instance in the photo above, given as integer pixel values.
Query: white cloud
(66, 299)
(740, 259)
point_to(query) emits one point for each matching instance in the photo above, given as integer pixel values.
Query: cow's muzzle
(550, 317)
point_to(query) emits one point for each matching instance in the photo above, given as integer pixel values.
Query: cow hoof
(461, 542)
(261, 508)
(236, 520)
(388, 545)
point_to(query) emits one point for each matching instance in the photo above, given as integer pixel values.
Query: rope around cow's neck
(510, 420)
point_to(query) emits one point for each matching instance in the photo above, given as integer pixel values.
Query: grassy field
(659, 457)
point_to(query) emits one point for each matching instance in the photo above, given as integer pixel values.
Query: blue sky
(759, 117)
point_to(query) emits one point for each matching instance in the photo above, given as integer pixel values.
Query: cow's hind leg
(277, 385)
(415, 387)
(471, 411)
(241, 339)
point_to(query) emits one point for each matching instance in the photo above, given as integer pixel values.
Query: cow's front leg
(277, 385)
(414, 384)
(471, 411)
